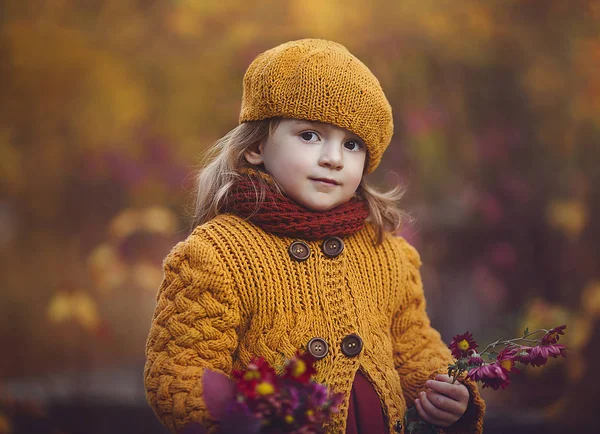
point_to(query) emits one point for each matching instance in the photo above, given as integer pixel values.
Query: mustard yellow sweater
(232, 291)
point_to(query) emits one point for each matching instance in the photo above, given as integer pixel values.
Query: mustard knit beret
(319, 80)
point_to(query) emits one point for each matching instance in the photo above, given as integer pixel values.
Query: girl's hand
(443, 403)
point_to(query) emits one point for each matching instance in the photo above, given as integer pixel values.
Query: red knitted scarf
(280, 215)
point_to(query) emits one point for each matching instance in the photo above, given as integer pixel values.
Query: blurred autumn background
(106, 106)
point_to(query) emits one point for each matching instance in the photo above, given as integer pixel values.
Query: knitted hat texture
(319, 80)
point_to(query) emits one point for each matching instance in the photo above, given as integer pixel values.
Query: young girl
(294, 251)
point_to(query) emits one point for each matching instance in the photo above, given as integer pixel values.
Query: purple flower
(475, 359)
(462, 344)
(552, 336)
(493, 375)
(318, 394)
(539, 355)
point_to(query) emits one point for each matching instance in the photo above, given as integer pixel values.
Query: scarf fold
(280, 215)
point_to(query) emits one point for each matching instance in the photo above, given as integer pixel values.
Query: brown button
(352, 345)
(333, 246)
(398, 426)
(299, 250)
(318, 348)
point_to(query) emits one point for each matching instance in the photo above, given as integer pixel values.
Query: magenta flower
(522, 355)
(475, 359)
(506, 359)
(552, 336)
(317, 394)
(539, 355)
(494, 376)
(301, 368)
(462, 344)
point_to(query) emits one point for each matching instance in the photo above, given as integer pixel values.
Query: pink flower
(300, 368)
(522, 355)
(539, 355)
(552, 336)
(475, 359)
(506, 359)
(494, 376)
(461, 344)
(258, 379)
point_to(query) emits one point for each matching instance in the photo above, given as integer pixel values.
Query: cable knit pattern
(194, 326)
(319, 80)
(231, 292)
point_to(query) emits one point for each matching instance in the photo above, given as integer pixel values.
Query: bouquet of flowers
(494, 372)
(257, 400)
(493, 366)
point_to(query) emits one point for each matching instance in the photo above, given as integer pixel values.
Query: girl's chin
(320, 207)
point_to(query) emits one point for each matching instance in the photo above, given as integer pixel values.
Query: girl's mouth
(326, 181)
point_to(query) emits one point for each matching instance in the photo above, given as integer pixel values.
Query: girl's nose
(332, 156)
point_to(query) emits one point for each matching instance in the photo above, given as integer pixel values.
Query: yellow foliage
(545, 80)
(112, 100)
(480, 21)
(5, 425)
(159, 220)
(244, 32)
(184, 23)
(84, 310)
(148, 276)
(571, 216)
(59, 308)
(331, 19)
(69, 80)
(580, 329)
(153, 219)
(539, 314)
(590, 299)
(106, 269)
(77, 306)
(125, 223)
(586, 92)
(207, 7)
(11, 172)
(449, 30)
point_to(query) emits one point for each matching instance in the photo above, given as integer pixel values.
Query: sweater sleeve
(193, 327)
(419, 352)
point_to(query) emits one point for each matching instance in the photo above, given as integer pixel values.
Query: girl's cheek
(287, 165)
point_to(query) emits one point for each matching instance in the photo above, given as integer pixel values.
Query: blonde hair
(224, 159)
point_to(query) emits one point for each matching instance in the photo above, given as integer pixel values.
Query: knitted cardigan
(231, 291)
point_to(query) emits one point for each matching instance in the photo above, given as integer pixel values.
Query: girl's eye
(353, 145)
(309, 136)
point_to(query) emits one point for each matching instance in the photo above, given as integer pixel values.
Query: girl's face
(318, 165)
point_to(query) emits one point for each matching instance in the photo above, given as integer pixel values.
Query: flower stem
(511, 341)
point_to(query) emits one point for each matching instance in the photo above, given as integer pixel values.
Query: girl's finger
(444, 403)
(436, 416)
(456, 391)
(443, 377)
(422, 412)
